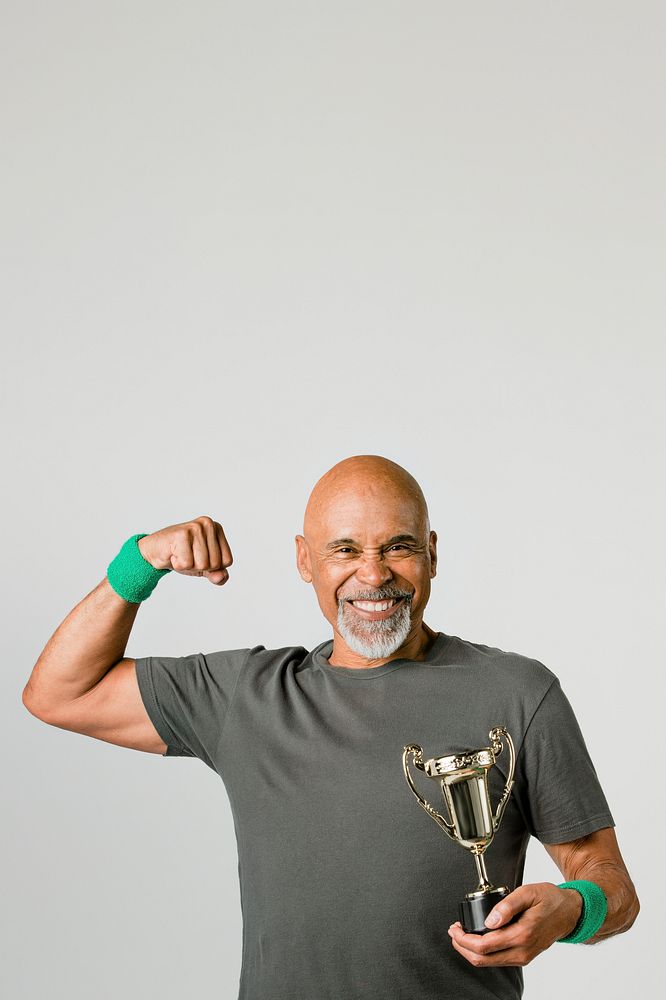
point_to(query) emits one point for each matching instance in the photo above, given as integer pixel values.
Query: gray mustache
(377, 596)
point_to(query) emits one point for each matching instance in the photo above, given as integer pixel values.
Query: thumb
(520, 899)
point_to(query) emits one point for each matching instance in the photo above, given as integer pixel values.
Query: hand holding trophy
(464, 782)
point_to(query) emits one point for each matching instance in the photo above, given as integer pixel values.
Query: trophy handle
(417, 751)
(496, 736)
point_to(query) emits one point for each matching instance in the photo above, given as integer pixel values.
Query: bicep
(113, 711)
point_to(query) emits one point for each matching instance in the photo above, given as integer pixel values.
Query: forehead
(368, 516)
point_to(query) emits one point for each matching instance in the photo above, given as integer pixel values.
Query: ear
(433, 554)
(303, 559)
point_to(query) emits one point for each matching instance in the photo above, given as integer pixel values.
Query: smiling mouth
(376, 605)
(376, 609)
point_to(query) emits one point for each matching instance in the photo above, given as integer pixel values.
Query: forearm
(89, 642)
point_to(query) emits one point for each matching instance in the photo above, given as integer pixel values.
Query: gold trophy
(464, 781)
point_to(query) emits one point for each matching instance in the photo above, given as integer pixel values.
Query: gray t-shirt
(347, 886)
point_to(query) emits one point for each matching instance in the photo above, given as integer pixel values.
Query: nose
(373, 572)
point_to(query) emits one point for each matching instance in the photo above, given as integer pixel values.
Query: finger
(182, 559)
(520, 899)
(486, 944)
(509, 956)
(227, 557)
(215, 572)
(199, 548)
(213, 545)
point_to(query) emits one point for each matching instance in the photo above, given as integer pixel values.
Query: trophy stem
(484, 884)
(476, 906)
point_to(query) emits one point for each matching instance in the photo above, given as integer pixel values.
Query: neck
(415, 647)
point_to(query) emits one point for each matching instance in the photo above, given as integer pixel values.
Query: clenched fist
(193, 548)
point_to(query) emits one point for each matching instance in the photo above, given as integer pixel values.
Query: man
(348, 889)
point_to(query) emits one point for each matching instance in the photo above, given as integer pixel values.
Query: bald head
(353, 480)
(367, 538)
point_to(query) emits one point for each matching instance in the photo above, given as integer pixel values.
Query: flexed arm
(82, 681)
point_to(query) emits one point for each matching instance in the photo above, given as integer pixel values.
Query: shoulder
(501, 664)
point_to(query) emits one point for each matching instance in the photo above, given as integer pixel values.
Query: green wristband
(595, 908)
(131, 576)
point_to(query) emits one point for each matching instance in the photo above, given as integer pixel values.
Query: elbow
(30, 703)
(633, 910)
(631, 907)
(27, 701)
(623, 918)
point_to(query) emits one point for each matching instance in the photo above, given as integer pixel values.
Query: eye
(398, 545)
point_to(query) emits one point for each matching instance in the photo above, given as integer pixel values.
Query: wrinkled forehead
(369, 516)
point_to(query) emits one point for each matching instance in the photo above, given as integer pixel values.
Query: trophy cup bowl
(463, 778)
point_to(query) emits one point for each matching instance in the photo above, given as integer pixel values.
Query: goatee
(375, 640)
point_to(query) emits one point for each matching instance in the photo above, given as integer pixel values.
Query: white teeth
(373, 605)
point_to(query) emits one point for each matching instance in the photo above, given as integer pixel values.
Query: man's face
(370, 558)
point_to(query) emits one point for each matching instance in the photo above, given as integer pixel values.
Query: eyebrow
(391, 541)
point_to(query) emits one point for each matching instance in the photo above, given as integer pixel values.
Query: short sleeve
(187, 698)
(556, 784)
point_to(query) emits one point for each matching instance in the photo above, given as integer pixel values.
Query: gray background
(241, 242)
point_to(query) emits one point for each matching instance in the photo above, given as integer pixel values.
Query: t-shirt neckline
(321, 653)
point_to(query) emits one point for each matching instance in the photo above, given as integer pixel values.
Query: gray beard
(374, 640)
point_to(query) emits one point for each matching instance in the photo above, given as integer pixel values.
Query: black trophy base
(474, 909)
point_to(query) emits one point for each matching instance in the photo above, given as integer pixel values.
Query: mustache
(383, 594)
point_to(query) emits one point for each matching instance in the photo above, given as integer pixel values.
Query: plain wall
(241, 242)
